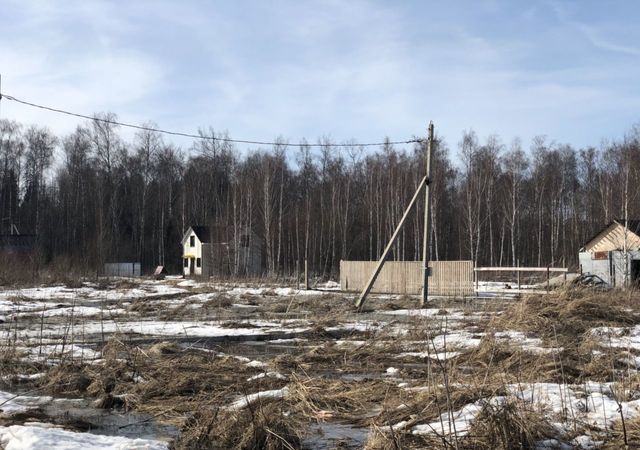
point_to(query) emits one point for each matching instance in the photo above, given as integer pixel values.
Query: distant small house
(604, 255)
(219, 251)
(123, 269)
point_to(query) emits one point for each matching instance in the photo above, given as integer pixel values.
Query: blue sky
(345, 69)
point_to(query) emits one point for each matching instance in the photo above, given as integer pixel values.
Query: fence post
(548, 272)
(477, 274)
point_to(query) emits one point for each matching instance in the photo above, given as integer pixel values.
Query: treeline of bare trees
(91, 197)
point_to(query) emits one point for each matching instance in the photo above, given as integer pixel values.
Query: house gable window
(192, 241)
(600, 255)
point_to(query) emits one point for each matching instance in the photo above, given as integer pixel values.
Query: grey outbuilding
(613, 253)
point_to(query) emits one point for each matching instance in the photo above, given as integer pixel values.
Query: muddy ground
(190, 364)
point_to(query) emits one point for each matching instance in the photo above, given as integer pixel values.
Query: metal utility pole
(427, 229)
(376, 272)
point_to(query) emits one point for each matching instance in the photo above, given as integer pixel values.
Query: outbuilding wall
(599, 267)
(612, 269)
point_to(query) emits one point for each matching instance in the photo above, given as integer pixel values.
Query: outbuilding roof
(611, 236)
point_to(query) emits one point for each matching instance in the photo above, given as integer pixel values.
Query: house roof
(201, 231)
(633, 226)
(219, 234)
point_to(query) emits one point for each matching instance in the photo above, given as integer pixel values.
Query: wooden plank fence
(450, 278)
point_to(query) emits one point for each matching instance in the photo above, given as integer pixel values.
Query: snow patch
(245, 401)
(276, 375)
(13, 403)
(40, 436)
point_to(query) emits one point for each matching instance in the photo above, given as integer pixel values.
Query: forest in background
(92, 197)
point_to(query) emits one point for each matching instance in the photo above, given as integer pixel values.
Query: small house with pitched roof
(221, 251)
(613, 253)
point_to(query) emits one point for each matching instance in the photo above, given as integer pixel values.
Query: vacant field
(188, 364)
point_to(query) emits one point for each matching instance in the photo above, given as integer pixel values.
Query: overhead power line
(198, 136)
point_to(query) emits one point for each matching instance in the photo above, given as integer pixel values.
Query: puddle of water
(327, 436)
(104, 421)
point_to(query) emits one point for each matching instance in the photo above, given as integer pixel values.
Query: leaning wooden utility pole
(427, 230)
(376, 272)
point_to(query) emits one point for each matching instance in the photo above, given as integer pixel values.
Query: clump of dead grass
(563, 320)
(390, 440)
(13, 362)
(400, 302)
(124, 284)
(263, 425)
(624, 434)
(356, 401)
(506, 425)
(220, 301)
(144, 306)
(186, 308)
(569, 312)
(65, 378)
(367, 358)
(498, 359)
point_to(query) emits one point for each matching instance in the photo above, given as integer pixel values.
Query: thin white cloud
(593, 35)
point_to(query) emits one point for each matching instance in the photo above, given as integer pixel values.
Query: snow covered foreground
(36, 435)
(44, 436)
